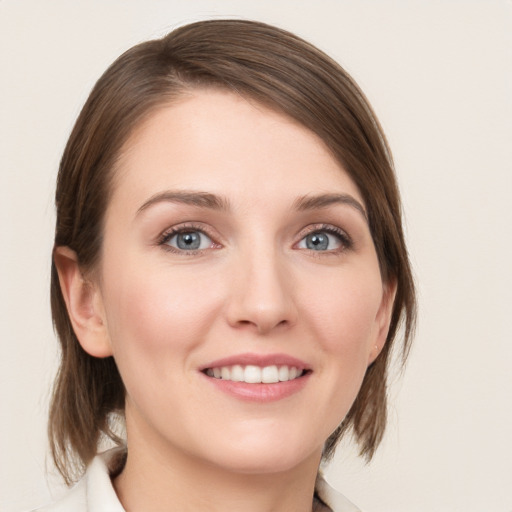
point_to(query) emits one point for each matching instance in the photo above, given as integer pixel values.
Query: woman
(229, 276)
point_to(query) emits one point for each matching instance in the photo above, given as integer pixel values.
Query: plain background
(439, 75)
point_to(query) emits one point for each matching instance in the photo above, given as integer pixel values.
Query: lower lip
(260, 392)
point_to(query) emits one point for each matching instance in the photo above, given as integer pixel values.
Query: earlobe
(383, 319)
(84, 304)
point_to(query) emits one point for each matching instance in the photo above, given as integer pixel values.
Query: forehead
(226, 144)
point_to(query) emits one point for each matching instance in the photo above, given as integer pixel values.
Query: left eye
(190, 241)
(320, 241)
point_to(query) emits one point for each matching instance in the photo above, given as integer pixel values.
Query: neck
(162, 478)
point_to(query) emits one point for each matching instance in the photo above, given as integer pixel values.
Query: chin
(262, 457)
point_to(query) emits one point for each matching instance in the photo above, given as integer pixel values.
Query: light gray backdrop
(439, 75)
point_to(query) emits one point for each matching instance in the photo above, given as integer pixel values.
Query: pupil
(317, 242)
(188, 240)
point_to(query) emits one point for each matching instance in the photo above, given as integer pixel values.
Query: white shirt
(95, 493)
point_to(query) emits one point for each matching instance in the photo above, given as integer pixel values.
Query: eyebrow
(215, 202)
(325, 200)
(200, 199)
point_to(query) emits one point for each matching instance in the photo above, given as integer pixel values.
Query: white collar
(101, 496)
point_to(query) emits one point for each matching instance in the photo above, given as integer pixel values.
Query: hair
(280, 71)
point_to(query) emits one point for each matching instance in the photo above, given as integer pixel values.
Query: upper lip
(261, 360)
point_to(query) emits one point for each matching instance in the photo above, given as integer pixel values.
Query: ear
(84, 304)
(383, 319)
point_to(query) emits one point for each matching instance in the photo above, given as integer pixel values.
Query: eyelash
(344, 239)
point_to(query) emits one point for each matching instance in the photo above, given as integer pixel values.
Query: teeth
(237, 373)
(254, 374)
(269, 374)
(284, 373)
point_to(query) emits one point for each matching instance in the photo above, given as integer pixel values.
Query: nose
(262, 293)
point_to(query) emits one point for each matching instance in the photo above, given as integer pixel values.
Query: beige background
(439, 75)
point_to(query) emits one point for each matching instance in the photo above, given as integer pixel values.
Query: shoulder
(333, 500)
(93, 492)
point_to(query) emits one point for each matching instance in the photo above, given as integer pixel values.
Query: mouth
(258, 378)
(253, 374)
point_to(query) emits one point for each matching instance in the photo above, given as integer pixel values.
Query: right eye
(188, 240)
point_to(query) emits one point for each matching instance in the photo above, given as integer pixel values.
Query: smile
(252, 374)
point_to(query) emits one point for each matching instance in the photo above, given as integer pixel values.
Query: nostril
(262, 325)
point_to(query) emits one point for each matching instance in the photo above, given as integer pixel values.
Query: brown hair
(272, 67)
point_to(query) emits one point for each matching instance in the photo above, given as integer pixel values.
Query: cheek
(344, 312)
(343, 317)
(154, 313)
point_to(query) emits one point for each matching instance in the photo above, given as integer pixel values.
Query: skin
(254, 287)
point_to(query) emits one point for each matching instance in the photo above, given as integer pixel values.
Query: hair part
(272, 67)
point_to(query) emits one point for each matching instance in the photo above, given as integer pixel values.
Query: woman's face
(239, 285)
